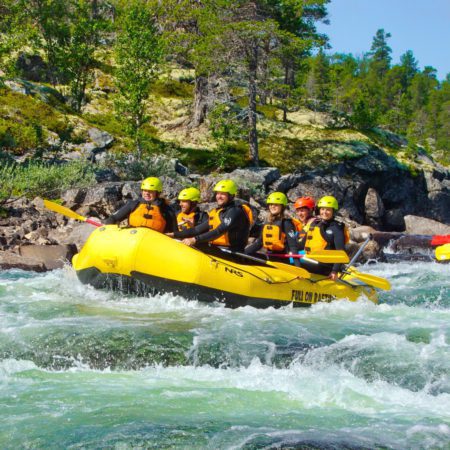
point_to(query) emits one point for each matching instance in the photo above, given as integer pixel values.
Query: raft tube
(143, 261)
(443, 253)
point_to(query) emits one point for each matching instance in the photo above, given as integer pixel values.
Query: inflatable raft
(141, 260)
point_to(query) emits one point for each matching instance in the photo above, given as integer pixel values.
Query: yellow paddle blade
(371, 280)
(443, 252)
(52, 206)
(329, 256)
(297, 271)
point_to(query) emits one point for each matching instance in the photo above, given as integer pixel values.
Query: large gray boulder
(422, 225)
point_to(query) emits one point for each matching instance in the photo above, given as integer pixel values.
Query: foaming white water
(299, 386)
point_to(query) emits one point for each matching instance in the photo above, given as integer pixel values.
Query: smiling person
(150, 210)
(189, 215)
(228, 224)
(278, 234)
(325, 233)
(304, 209)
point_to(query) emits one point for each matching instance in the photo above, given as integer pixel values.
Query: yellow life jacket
(214, 222)
(147, 215)
(186, 221)
(314, 239)
(273, 237)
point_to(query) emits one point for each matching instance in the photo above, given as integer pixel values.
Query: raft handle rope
(266, 280)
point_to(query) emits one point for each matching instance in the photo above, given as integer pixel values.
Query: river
(81, 368)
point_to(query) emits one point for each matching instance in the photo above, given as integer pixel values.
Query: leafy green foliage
(45, 180)
(138, 51)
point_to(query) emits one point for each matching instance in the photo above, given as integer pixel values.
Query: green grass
(45, 180)
(24, 121)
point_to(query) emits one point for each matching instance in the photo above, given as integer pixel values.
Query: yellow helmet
(228, 186)
(277, 198)
(152, 184)
(190, 193)
(328, 202)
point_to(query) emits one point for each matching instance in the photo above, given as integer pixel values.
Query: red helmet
(307, 202)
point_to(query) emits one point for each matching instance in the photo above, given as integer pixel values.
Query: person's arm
(339, 243)
(254, 246)
(122, 213)
(230, 217)
(202, 227)
(171, 220)
(291, 239)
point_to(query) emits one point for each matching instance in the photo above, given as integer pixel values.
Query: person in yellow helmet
(150, 210)
(189, 214)
(325, 233)
(278, 235)
(228, 224)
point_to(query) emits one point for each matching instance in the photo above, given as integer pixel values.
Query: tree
(380, 53)
(138, 51)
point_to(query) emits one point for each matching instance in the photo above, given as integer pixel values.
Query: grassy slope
(305, 140)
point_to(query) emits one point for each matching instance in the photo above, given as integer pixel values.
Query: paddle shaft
(55, 207)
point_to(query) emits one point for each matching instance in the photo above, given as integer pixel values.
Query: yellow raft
(142, 261)
(443, 253)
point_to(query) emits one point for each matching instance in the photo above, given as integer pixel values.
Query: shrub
(45, 180)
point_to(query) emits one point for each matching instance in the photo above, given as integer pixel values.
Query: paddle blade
(52, 206)
(330, 256)
(443, 252)
(440, 239)
(371, 280)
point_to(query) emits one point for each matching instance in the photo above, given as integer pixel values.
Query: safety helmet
(228, 186)
(190, 193)
(152, 184)
(305, 202)
(328, 202)
(277, 198)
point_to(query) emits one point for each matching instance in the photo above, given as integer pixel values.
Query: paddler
(150, 210)
(304, 210)
(228, 224)
(278, 235)
(190, 214)
(325, 233)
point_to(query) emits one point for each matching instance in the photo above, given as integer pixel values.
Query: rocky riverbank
(376, 195)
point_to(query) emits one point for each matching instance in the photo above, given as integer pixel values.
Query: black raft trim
(143, 284)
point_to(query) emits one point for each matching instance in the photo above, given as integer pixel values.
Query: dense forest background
(237, 73)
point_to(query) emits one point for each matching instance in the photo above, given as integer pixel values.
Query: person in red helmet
(304, 209)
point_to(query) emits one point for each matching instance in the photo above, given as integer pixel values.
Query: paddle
(440, 239)
(371, 280)
(323, 256)
(443, 252)
(287, 268)
(52, 206)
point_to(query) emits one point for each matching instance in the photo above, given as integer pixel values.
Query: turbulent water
(81, 368)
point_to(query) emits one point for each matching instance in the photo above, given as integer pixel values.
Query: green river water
(81, 368)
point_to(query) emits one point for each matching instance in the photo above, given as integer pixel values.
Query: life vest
(186, 221)
(316, 242)
(214, 222)
(301, 229)
(273, 237)
(147, 215)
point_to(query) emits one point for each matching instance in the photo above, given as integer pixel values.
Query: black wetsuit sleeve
(291, 239)
(202, 227)
(122, 213)
(171, 219)
(338, 241)
(233, 214)
(254, 246)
